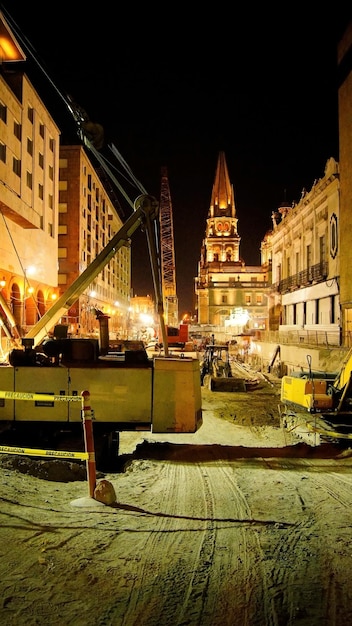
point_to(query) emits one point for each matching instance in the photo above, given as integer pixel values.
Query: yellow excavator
(318, 408)
(129, 390)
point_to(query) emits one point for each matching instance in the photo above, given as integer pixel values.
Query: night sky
(174, 89)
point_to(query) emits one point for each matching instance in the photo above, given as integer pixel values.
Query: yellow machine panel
(41, 380)
(307, 393)
(117, 395)
(6, 384)
(177, 402)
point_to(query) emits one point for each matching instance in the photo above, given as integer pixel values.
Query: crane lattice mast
(167, 249)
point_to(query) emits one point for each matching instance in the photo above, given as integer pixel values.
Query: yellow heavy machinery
(318, 408)
(128, 390)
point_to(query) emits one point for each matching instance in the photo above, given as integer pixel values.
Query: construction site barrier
(88, 455)
(27, 395)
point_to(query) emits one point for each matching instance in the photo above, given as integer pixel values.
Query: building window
(16, 166)
(41, 160)
(224, 299)
(322, 250)
(2, 152)
(248, 298)
(309, 256)
(41, 130)
(29, 146)
(332, 309)
(40, 191)
(3, 112)
(17, 130)
(51, 172)
(30, 114)
(51, 201)
(51, 144)
(29, 180)
(259, 299)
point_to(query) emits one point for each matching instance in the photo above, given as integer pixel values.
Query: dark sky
(174, 89)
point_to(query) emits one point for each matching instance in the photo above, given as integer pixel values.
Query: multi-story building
(230, 294)
(344, 55)
(303, 247)
(310, 307)
(29, 172)
(88, 219)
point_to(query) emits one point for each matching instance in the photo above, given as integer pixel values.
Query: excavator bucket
(226, 384)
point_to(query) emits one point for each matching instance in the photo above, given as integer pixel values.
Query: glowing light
(9, 50)
(239, 317)
(30, 270)
(146, 319)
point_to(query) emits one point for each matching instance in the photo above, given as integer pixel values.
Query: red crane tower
(168, 269)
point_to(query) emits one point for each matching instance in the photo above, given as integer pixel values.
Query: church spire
(222, 241)
(222, 202)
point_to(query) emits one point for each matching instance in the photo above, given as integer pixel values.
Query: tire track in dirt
(314, 593)
(186, 513)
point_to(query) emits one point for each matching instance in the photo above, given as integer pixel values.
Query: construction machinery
(318, 407)
(128, 390)
(167, 253)
(215, 370)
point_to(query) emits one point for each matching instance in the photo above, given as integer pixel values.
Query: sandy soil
(237, 524)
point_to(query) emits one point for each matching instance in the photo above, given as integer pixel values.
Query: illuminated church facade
(228, 292)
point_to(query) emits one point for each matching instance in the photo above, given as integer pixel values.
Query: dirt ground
(237, 524)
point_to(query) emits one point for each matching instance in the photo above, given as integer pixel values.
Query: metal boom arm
(146, 210)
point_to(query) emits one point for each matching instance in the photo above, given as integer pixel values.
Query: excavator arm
(145, 214)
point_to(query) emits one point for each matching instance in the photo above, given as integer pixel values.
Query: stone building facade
(303, 248)
(228, 292)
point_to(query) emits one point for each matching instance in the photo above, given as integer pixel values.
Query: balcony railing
(299, 337)
(234, 284)
(314, 274)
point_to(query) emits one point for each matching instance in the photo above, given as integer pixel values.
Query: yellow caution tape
(83, 456)
(27, 395)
